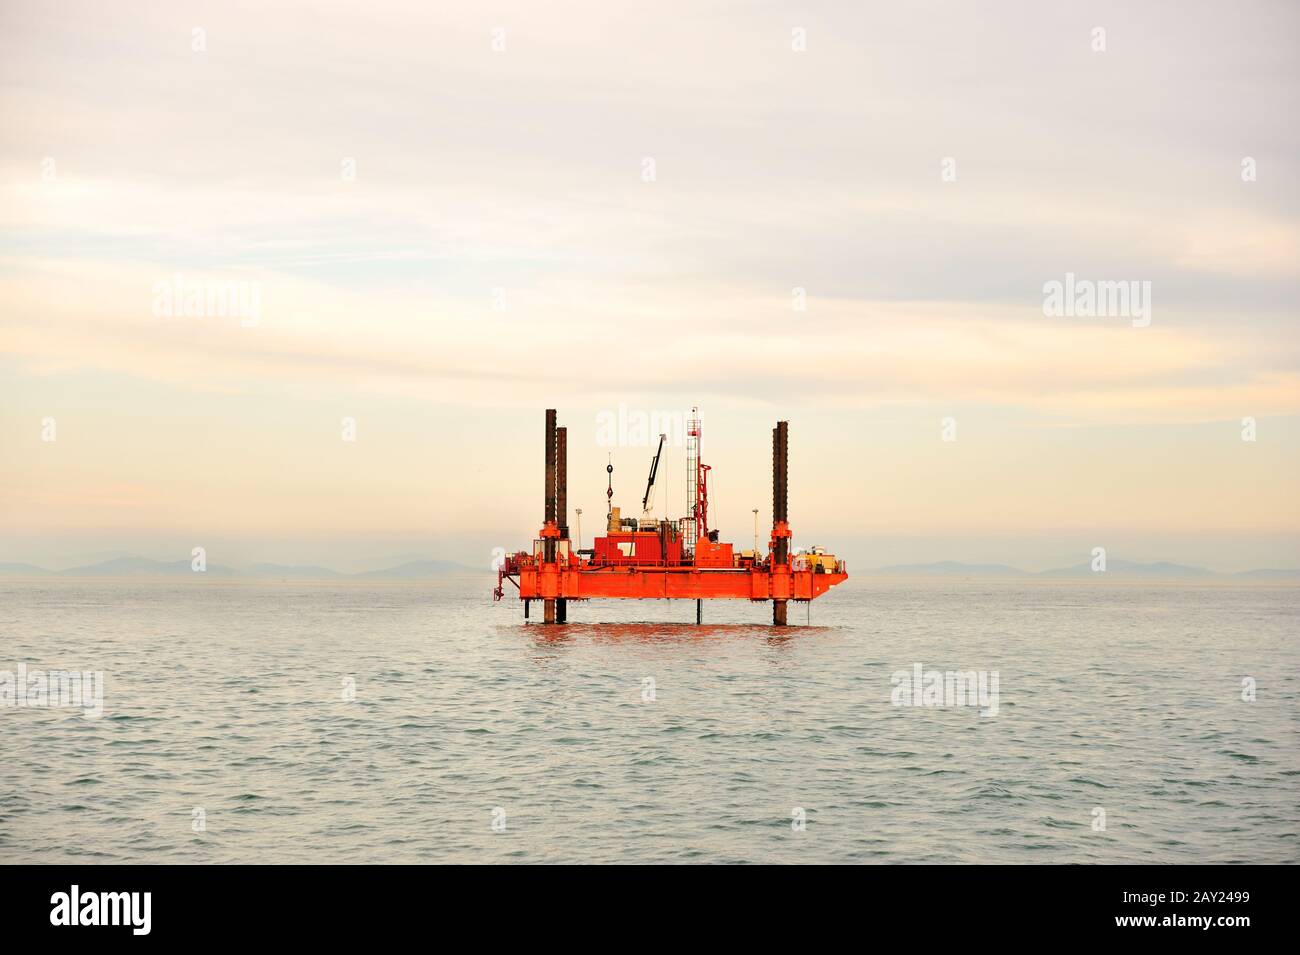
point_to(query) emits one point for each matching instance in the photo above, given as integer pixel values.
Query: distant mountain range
(144, 567)
(133, 566)
(1160, 570)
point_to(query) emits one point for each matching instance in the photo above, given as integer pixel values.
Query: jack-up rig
(649, 558)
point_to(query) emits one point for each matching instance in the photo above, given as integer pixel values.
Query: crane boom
(654, 469)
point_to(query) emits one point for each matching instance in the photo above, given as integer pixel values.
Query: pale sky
(499, 250)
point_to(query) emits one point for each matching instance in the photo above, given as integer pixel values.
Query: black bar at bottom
(1222, 905)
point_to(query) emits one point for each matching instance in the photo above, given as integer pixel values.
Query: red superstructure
(649, 558)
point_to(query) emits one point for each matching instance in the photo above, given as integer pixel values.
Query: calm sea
(228, 735)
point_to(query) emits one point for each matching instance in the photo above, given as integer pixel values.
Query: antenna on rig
(609, 488)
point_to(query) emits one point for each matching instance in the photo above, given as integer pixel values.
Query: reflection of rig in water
(683, 559)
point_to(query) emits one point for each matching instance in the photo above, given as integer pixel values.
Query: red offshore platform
(650, 558)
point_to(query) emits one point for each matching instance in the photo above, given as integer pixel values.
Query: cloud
(70, 315)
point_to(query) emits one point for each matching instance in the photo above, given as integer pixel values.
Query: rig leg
(778, 613)
(699, 611)
(548, 611)
(561, 610)
(527, 604)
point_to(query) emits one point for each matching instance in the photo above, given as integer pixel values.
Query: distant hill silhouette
(143, 567)
(1128, 568)
(24, 570)
(1158, 570)
(135, 566)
